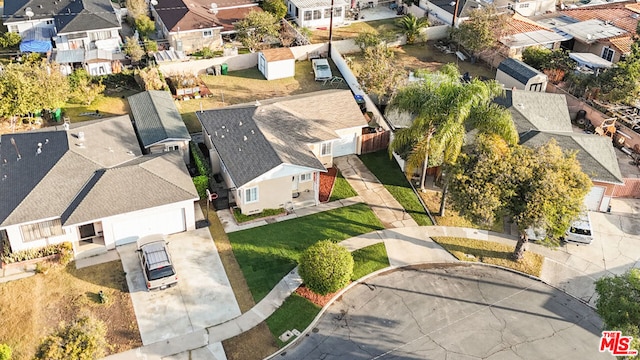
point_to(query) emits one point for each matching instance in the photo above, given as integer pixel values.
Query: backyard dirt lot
(31, 308)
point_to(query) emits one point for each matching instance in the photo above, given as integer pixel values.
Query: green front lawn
(267, 253)
(295, 313)
(388, 172)
(342, 189)
(369, 259)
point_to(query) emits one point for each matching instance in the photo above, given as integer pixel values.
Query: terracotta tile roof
(622, 43)
(184, 15)
(618, 14)
(520, 24)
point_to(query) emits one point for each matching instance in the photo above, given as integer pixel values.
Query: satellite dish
(214, 8)
(154, 2)
(29, 12)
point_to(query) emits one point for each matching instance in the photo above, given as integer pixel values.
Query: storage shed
(513, 73)
(277, 63)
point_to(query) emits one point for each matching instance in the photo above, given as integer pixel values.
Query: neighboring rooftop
(156, 118)
(183, 15)
(518, 70)
(69, 15)
(590, 31)
(595, 153)
(533, 110)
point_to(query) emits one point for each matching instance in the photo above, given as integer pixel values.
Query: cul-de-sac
(315, 180)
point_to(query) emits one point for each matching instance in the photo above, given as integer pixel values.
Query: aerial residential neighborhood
(182, 179)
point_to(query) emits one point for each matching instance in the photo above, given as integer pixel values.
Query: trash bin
(224, 68)
(57, 114)
(361, 102)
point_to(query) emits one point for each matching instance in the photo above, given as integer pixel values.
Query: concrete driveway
(453, 312)
(202, 298)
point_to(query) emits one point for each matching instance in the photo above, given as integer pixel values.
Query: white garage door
(166, 222)
(593, 198)
(344, 146)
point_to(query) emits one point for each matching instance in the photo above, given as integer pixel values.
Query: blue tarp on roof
(36, 39)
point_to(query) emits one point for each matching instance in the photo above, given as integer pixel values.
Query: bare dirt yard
(31, 308)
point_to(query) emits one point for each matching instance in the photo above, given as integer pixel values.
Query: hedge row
(202, 184)
(201, 162)
(65, 250)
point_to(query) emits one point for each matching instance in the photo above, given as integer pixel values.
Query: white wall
(280, 69)
(17, 244)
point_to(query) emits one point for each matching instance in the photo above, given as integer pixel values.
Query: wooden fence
(375, 141)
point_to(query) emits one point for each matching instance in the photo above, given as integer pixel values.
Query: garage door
(165, 222)
(593, 198)
(344, 146)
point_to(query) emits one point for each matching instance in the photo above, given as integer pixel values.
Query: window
(325, 149)
(49, 22)
(100, 35)
(327, 13)
(207, 33)
(337, 12)
(607, 53)
(172, 148)
(535, 87)
(41, 230)
(317, 15)
(251, 195)
(307, 15)
(305, 177)
(13, 28)
(524, 5)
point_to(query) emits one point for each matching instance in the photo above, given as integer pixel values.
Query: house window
(524, 5)
(41, 230)
(207, 33)
(536, 87)
(49, 22)
(251, 195)
(172, 148)
(13, 28)
(325, 149)
(317, 15)
(337, 12)
(327, 13)
(307, 15)
(607, 53)
(305, 177)
(100, 35)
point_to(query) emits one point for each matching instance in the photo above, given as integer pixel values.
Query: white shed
(513, 73)
(277, 63)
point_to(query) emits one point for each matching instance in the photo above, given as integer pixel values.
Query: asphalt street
(453, 311)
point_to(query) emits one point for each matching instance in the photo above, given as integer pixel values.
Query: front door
(294, 183)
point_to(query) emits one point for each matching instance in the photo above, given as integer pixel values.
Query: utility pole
(455, 14)
(331, 29)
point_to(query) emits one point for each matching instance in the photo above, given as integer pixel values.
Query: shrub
(83, 339)
(325, 267)
(240, 217)
(5, 352)
(202, 184)
(204, 168)
(65, 250)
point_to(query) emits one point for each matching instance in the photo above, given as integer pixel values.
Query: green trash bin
(57, 114)
(224, 69)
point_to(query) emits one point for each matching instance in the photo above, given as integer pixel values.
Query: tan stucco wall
(271, 195)
(193, 41)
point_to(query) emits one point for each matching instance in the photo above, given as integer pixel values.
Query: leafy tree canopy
(412, 27)
(276, 7)
(542, 188)
(257, 30)
(9, 40)
(133, 49)
(482, 31)
(378, 74)
(83, 339)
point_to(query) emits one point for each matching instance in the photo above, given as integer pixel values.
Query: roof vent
(240, 124)
(214, 8)
(39, 150)
(453, 3)
(635, 16)
(245, 138)
(258, 103)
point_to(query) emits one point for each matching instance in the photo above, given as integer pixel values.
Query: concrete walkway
(373, 193)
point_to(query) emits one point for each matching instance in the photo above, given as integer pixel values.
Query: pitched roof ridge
(137, 165)
(574, 136)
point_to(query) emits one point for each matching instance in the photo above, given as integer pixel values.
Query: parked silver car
(155, 260)
(321, 69)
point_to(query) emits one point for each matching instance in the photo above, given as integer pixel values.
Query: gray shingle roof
(132, 187)
(518, 70)
(252, 140)
(69, 15)
(53, 183)
(532, 110)
(595, 153)
(156, 118)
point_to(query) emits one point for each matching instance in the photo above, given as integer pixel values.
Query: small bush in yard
(83, 339)
(325, 267)
(65, 250)
(5, 352)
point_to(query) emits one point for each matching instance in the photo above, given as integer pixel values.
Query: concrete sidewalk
(373, 193)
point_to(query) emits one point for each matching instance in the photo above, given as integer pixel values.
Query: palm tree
(444, 108)
(411, 26)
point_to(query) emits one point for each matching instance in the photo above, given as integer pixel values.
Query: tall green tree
(412, 26)
(145, 25)
(83, 90)
(443, 108)
(257, 30)
(277, 7)
(482, 31)
(378, 74)
(540, 188)
(618, 304)
(133, 48)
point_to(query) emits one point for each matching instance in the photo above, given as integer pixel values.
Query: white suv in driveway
(155, 260)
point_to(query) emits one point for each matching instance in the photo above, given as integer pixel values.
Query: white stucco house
(91, 186)
(317, 13)
(278, 63)
(271, 153)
